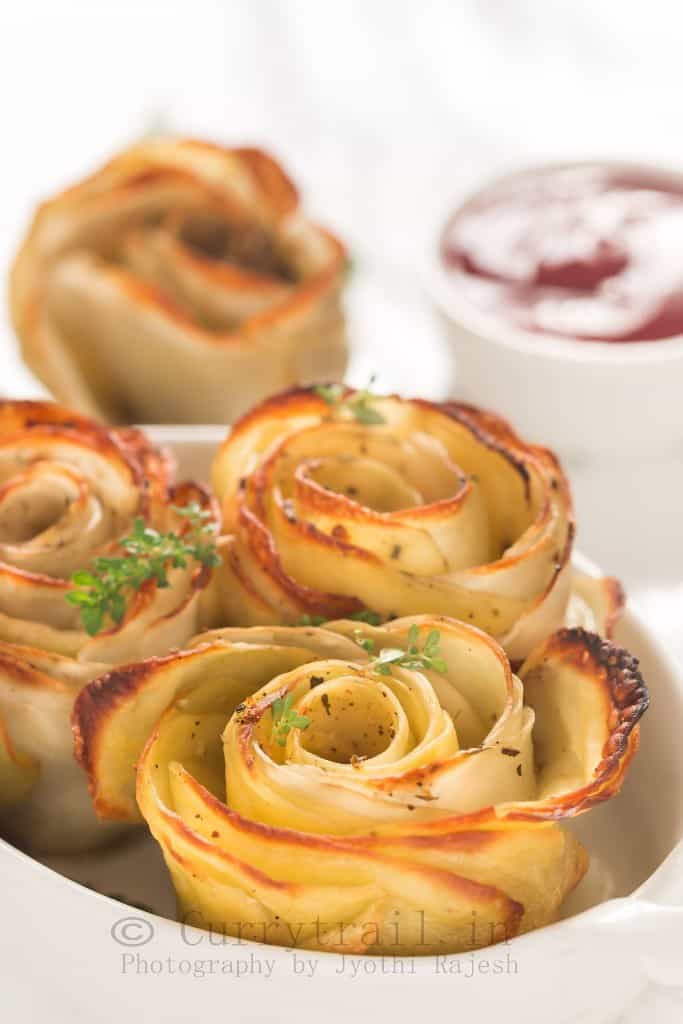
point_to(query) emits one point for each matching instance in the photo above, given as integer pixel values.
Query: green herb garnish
(361, 407)
(427, 658)
(365, 615)
(358, 403)
(285, 719)
(311, 620)
(103, 592)
(366, 642)
(330, 393)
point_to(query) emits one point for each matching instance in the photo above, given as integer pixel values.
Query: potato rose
(338, 501)
(360, 789)
(70, 491)
(179, 283)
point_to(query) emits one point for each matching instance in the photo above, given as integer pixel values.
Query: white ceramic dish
(579, 396)
(99, 959)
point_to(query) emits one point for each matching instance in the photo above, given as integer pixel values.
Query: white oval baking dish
(100, 959)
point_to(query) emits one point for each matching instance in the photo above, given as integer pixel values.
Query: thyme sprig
(429, 657)
(311, 620)
(366, 642)
(285, 719)
(364, 615)
(103, 592)
(359, 404)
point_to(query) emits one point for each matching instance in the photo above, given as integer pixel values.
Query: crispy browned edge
(151, 468)
(97, 703)
(613, 668)
(276, 188)
(618, 672)
(147, 463)
(488, 428)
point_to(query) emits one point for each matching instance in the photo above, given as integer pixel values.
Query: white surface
(380, 110)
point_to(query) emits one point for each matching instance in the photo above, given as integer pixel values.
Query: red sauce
(582, 252)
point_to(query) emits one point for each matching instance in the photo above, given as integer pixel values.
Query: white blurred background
(382, 110)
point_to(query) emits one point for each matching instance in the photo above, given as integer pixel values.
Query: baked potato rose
(335, 501)
(362, 789)
(179, 283)
(74, 500)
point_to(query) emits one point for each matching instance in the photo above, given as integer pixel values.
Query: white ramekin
(579, 397)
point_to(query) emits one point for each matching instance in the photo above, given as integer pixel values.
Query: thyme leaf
(102, 593)
(414, 657)
(285, 719)
(358, 404)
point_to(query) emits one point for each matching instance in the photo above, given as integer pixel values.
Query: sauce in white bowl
(562, 293)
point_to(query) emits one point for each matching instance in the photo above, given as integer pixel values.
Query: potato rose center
(351, 721)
